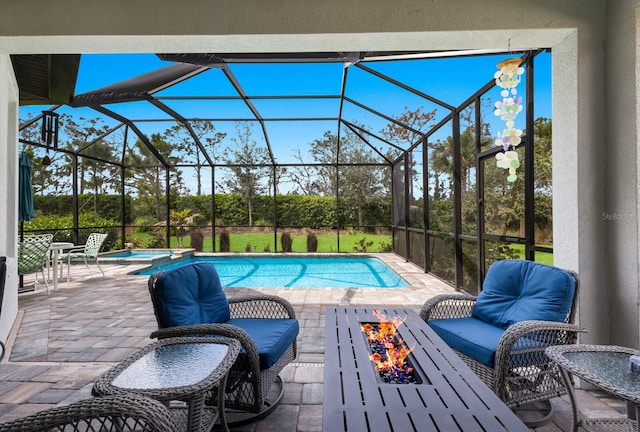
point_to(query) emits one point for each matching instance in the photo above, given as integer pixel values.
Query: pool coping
(172, 254)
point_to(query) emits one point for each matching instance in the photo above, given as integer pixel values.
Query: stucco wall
(8, 190)
(587, 180)
(621, 197)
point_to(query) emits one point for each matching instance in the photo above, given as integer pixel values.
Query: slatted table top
(450, 398)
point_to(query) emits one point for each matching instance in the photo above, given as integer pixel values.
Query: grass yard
(265, 242)
(541, 257)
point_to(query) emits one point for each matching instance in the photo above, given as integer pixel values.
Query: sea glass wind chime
(508, 78)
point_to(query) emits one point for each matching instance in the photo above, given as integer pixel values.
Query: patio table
(177, 369)
(606, 367)
(446, 396)
(54, 249)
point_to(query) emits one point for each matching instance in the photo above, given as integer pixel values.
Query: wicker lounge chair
(32, 255)
(523, 308)
(189, 300)
(123, 413)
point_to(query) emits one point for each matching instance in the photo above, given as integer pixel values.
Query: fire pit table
(433, 390)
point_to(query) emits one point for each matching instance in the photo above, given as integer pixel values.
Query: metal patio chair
(87, 252)
(502, 334)
(123, 413)
(189, 300)
(32, 256)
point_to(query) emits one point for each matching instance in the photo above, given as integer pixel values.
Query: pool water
(139, 254)
(296, 272)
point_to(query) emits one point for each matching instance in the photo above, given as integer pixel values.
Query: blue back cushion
(516, 290)
(189, 294)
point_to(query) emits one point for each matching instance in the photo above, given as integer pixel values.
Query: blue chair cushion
(517, 290)
(272, 336)
(475, 338)
(479, 340)
(190, 294)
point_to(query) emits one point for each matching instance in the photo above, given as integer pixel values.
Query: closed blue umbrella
(26, 211)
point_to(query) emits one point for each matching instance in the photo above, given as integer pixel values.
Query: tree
(183, 141)
(358, 172)
(79, 135)
(44, 179)
(181, 221)
(147, 175)
(250, 165)
(402, 134)
(363, 182)
(98, 176)
(304, 177)
(405, 136)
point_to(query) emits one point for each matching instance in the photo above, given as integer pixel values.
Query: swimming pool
(140, 254)
(295, 272)
(152, 257)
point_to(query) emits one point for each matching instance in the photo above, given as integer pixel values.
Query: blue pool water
(298, 272)
(139, 254)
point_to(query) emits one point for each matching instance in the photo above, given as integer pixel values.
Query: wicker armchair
(189, 300)
(523, 308)
(32, 255)
(122, 413)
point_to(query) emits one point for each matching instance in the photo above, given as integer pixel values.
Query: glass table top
(612, 367)
(171, 366)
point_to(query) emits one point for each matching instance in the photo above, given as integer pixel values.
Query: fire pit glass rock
(388, 352)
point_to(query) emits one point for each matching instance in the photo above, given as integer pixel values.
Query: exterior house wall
(8, 191)
(595, 166)
(620, 215)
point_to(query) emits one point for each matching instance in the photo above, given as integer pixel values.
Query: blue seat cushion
(472, 337)
(479, 340)
(517, 290)
(271, 336)
(190, 294)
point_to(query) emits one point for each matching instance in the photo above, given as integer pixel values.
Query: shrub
(225, 244)
(312, 242)
(197, 239)
(145, 224)
(286, 242)
(362, 245)
(135, 241)
(157, 241)
(247, 248)
(385, 246)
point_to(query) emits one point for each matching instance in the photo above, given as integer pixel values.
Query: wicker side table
(606, 367)
(177, 369)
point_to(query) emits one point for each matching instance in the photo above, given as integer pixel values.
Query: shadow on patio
(64, 341)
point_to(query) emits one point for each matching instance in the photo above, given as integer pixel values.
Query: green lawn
(261, 242)
(541, 257)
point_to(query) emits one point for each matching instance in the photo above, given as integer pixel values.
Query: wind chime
(508, 78)
(49, 133)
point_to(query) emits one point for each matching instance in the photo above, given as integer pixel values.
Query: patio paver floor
(63, 341)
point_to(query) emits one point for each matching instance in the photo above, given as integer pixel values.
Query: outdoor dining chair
(189, 300)
(32, 256)
(87, 252)
(502, 334)
(123, 413)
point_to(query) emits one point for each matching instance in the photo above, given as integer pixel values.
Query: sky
(451, 80)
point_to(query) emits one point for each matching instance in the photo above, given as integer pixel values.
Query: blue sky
(450, 79)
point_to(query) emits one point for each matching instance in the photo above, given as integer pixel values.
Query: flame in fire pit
(389, 350)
